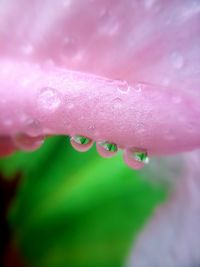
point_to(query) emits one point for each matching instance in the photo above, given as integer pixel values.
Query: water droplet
(49, 99)
(136, 158)
(81, 143)
(123, 86)
(177, 60)
(106, 149)
(28, 143)
(33, 127)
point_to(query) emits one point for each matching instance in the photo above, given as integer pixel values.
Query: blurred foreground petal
(171, 238)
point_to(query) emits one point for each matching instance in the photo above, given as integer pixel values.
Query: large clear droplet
(81, 143)
(106, 149)
(136, 158)
(28, 143)
(49, 99)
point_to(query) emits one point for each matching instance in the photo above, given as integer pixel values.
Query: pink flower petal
(153, 45)
(44, 101)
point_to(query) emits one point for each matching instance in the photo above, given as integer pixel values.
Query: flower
(123, 72)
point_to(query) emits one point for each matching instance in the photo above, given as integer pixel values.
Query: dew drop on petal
(81, 143)
(123, 86)
(33, 127)
(136, 158)
(106, 149)
(28, 143)
(49, 99)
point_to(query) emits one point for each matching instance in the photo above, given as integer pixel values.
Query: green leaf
(77, 209)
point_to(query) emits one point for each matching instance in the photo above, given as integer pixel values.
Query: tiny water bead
(136, 158)
(28, 143)
(33, 127)
(123, 86)
(49, 99)
(81, 143)
(106, 149)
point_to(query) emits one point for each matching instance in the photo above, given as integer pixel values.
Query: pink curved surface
(153, 45)
(51, 100)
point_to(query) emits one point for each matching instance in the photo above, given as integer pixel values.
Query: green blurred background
(76, 209)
